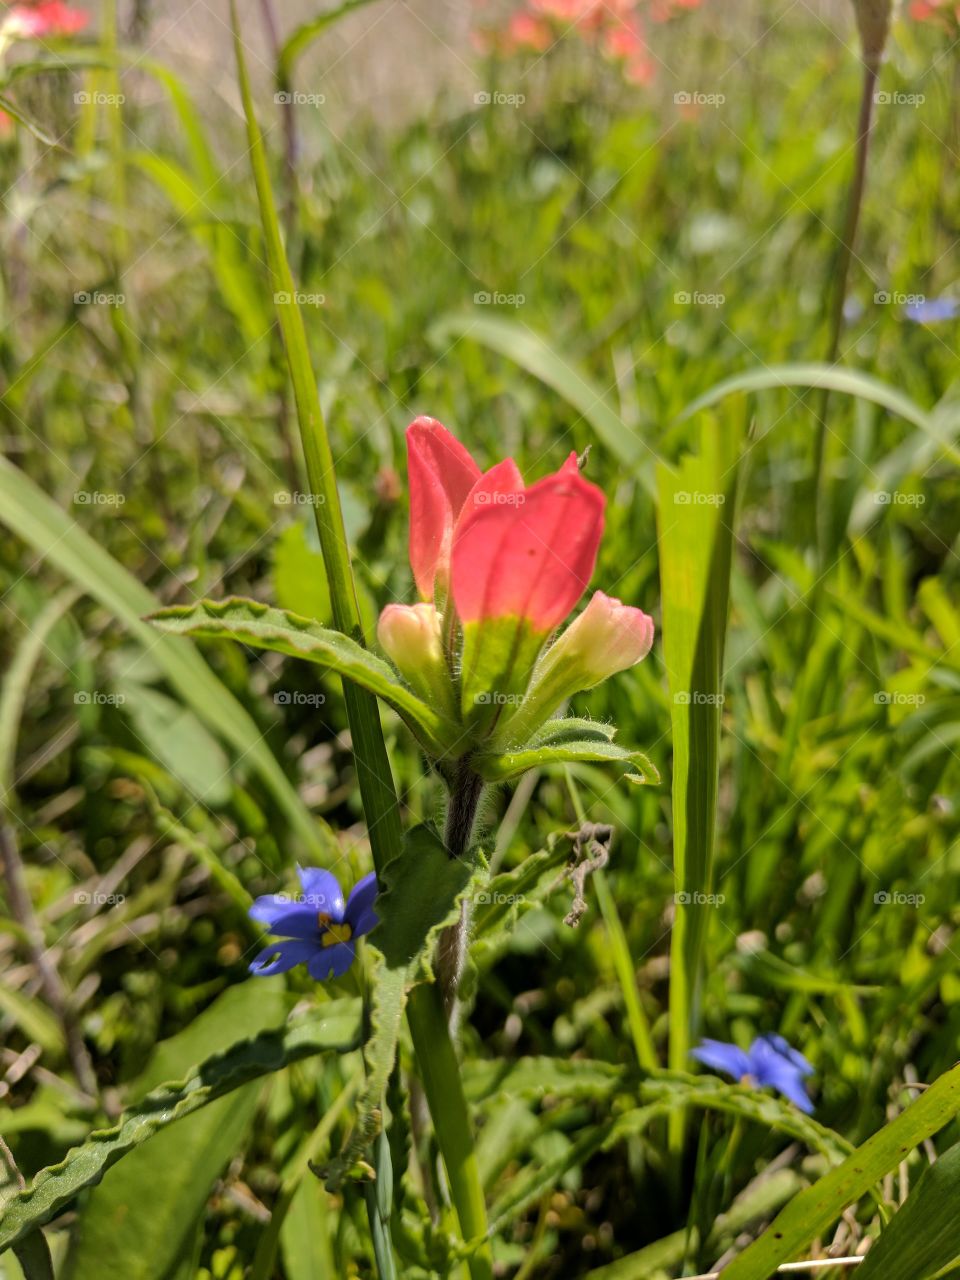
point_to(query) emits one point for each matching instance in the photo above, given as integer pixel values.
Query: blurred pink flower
(528, 31)
(46, 18)
(935, 10)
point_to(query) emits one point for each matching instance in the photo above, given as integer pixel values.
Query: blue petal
(360, 914)
(321, 891)
(771, 1068)
(331, 962)
(786, 1050)
(281, 956)
(931, 310)
(285, 918)
(722, 1057)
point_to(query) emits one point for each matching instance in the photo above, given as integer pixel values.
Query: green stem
(428, 1027)
(451, 1121)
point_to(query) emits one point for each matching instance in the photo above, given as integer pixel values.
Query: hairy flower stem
(466, 789)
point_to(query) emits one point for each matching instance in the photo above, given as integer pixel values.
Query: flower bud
(606, 638)
(410, 635)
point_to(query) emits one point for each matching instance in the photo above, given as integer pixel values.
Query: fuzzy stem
(465, 792)
(451, 1119)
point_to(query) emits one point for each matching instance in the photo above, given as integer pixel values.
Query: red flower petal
(531, 559)
(441, 474)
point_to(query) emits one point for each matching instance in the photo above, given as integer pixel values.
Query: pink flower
(441, 474)
(528, 31)
(527, 553)
(47, 18)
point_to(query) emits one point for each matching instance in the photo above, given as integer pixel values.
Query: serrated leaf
(503, 897)
(331, 1028)
(263, 627)
(595, 749)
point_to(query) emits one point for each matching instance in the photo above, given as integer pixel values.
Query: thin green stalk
(448, 1107)
(431, 1038)
(620, 952)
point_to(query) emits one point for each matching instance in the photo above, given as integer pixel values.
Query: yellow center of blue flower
(331, 932)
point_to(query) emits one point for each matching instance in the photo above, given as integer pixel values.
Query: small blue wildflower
(317, 929)
(931, 310)
(768, 1061)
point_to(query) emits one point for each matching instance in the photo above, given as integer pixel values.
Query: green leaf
(334, 1027)
(923, 1237)
(263, 627)
(177, 738)
(27, 510)
(299, 578)
(306, 33)
(421, 892)
(815, 1209)
(695, 516)
(498, 768)
(31, 125)
(825, 377)
(529, 350)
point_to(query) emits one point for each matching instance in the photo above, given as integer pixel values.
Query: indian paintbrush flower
(315, 928)
(770, 1061)
(503, 564)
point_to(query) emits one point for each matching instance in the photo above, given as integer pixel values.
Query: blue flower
(317, 929)
(768, 1061)
(931, 310)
